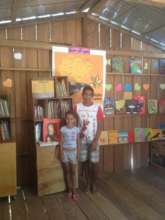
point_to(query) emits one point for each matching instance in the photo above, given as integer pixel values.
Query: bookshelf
(48, 115)
(7, 151)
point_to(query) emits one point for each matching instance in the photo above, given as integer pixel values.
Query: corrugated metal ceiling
(144, 18)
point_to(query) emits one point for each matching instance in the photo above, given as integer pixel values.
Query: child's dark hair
(89, 88)
(74, 114)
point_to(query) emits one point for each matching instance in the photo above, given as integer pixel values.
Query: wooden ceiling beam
(157, 3)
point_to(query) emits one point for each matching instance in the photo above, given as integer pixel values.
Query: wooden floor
(138, 195)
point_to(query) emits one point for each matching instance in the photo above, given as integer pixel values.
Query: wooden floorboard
(138, 195)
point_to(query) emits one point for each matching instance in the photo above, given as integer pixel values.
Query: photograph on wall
(83, 67)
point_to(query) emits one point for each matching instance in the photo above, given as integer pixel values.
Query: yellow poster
(82, 69)
(43, 88)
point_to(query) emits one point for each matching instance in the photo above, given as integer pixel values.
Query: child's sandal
(75, 196)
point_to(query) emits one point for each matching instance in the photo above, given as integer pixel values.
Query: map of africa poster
(83, 67)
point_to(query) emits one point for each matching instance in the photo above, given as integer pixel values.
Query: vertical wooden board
(21, 94)
(19, 63)
(154, 90)
(127, 122)
(108, 123)
(110, 80)
(30, 76)
(14, 33)
(135, 44)
(2, 34)
(72, 32)
(122, 158)
(144, 154)
(115, 39)
(7, 87)
(101, 162)
(90, 33)
(118, 122)
(43, 32)
(44, 59)
(57, 32)
(155, 120)
(7, 169)
(6, 57)
(24, 171)
(29, 32)
(31, 58)
(126, 41)
(154, 66)
(108, 159)
(104, 37)
(118, 80)
(136, 155)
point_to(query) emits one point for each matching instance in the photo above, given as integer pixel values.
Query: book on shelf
(61, 89)
(109, 106)
(65, 105)
(4, 130)
(113, 136)
(51, 130)
(117, 65)
(131, 136)
(123, 137)
(135, 65)
(38, 132)
(103, 139)
(139, 134)
(152, 106)
(4, 108)
(52, 109)
(38, 112)
(155, 133)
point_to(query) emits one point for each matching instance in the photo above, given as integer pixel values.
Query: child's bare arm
(61, 145)
(78, 146)
(98, 132)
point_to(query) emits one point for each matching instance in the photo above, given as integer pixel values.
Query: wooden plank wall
(75, 32)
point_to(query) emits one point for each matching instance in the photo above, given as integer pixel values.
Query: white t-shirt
(88, 121)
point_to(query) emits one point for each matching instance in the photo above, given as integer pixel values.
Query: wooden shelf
(5, 118)
(133, 74)
(25, 69)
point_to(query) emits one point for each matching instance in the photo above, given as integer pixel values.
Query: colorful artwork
(152, 106)
(83, 67)
(51, 130)
(128, 87)
(117, 65)
(119, 87)
(109, 106)
(135, 65)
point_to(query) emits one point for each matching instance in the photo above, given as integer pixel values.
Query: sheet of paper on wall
(120, 106)
(117, 65)
(128, 95)
(152, 106)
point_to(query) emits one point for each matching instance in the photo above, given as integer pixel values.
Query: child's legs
(94, 163)
(73, 177)
(84, 149)
(67, 172)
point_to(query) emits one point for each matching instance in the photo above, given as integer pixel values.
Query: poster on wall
(83, 67)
